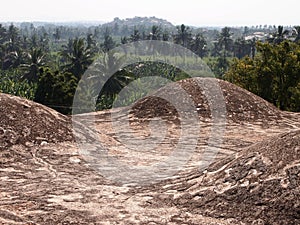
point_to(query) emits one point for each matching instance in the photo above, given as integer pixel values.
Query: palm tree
(165, 36)
(2, 34)
(297, 31)
(124, 40)
(10, 43)
(34, 41)
(91, 43)
(13, 39)
(279, 36)
(216, 49)
(252, 44)
(225, 41)
(57, 34)
(12, 60)
(78, 57)
(183, 36)
(225, 44)
(68, 48)
(108, 43)
(199, 45)
(155, 33)
(135, 36)
(108, 75)
(34, 60)
(241, 48)
(105, 73)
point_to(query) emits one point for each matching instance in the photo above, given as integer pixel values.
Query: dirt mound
(25, 122)
(207, 94)
(53, 184)
(260, 185)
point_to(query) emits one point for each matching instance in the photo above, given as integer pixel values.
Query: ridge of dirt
(259, 185)
(255, 178)
(241, 105)
(26, 122)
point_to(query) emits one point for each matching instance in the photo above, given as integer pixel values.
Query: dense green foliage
(56, 90)
(274, 74)
(11, 83)
(45, 62)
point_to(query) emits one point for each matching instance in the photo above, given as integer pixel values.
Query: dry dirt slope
(254, 181)
(241, 105)
(24, 122)
(259, 185)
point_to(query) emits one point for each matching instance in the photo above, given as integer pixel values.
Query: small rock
(44, 143)
(74, 160)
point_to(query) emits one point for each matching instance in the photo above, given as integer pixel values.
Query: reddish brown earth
(258, 185)
(241, 105)
(254, 178)
(24, 122)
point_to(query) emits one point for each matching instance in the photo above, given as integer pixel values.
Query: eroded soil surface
(253, 178)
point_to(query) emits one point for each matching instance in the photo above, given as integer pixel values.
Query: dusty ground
(254, 178)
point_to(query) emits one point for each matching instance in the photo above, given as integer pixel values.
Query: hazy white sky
(191, 12)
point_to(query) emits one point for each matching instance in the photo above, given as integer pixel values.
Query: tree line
(45, 64)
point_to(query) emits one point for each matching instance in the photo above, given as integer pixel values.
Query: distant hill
(138, 21)
(44, 23)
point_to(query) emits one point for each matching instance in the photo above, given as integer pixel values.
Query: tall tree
(166, 35)
(225, 41)
(108, 43)
(57, 34)
(78, 57)
(135, 36)
(155, 33)
(297, 31)
(199, 45)
(12, 59)
(183, 36)
(104, 73)
(241, 48)
(278, 36)
(109, 66)
(2, 34)
(92, 43)
(13, 38)
(34, 60)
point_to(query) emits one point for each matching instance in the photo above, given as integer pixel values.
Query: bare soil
(254, 178)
